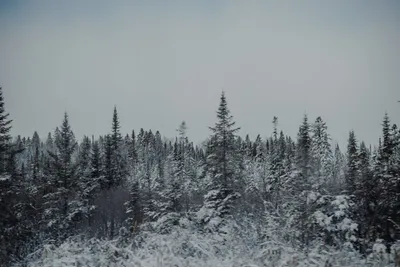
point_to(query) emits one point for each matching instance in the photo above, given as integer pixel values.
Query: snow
(4, 178)
(238, 245)
(312, 197)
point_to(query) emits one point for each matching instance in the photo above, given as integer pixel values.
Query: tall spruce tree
(303, 155)
(387, 173)
(119, 168)
(302, 185)
(352, 166)
(86, 185)
(221, 163)
(8, 190)
(321, 152)
(61, 210)
(366, 197)
(5, 137)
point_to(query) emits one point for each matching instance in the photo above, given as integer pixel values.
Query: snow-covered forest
(142, 199)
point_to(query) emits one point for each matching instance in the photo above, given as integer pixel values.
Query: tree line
(56, 187)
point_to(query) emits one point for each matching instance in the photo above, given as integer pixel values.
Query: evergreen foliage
(301, 193)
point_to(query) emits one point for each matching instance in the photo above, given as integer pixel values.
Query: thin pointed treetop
(5, 123)
(225, 118)
(115, 122)
(116, 135)
(275, 123)
(387, 146)
(182, 130)
(65, 138)
(5, 137)
(222, 140)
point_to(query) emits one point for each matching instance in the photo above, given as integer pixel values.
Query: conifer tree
(95, 162)
(133, 207)
(119, 168)
(5, 137)
(303, 155)
(352, 170)
(221, 163)
(301, 186)
(337, 181)
(133, 156)
(321, 152)
(8, 190)
(61, 210)
(36, 161)
(387, 173)
(276, 168)
(366, 196)
(173, 193)
(86, 185)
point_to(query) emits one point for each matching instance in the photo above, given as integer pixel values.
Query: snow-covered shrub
(379, 256)
(333, 219)
(239, 243)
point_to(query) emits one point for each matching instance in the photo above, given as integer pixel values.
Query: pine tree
(95, 162)
(62, 212)
(8, 190)
(366, 196)
(86, 184)
(303, 155)
(352, 170)
(119, 167)
(174, 187)
(115, 133)
(108, 170)
(321, 152)
(133, 207)
(337, 183)
(133, 156)
(36, 158)
(301, 187)
(221, 163)
(387, 173)
(387, 144)
(275, 132)
(5, 137)
(94, 183)
(276, 159)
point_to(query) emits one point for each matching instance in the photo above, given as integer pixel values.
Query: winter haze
(163, 63)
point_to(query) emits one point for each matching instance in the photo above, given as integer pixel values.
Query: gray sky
(163, 63)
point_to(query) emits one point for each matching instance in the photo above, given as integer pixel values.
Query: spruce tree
(352, 166)
(86, 185)
(321, 152)
(387, 173)
(275, 163)
(133, 207)
(61, 209)
(8, 190)
(5, 137)
(95, 161)
(36, 163)
(132, 152)
(366, 196)
(119, 164)
(221, 163)
(337, 181)
(303, 155)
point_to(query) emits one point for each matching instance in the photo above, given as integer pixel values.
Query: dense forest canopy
(300, 192)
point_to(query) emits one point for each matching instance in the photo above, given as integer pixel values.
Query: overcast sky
(163, 63)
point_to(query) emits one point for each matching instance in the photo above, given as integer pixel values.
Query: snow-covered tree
(321, 152)
(61, 209)
(221, 165)
(351, 170)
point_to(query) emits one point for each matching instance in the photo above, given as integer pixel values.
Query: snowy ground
(184, 246)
